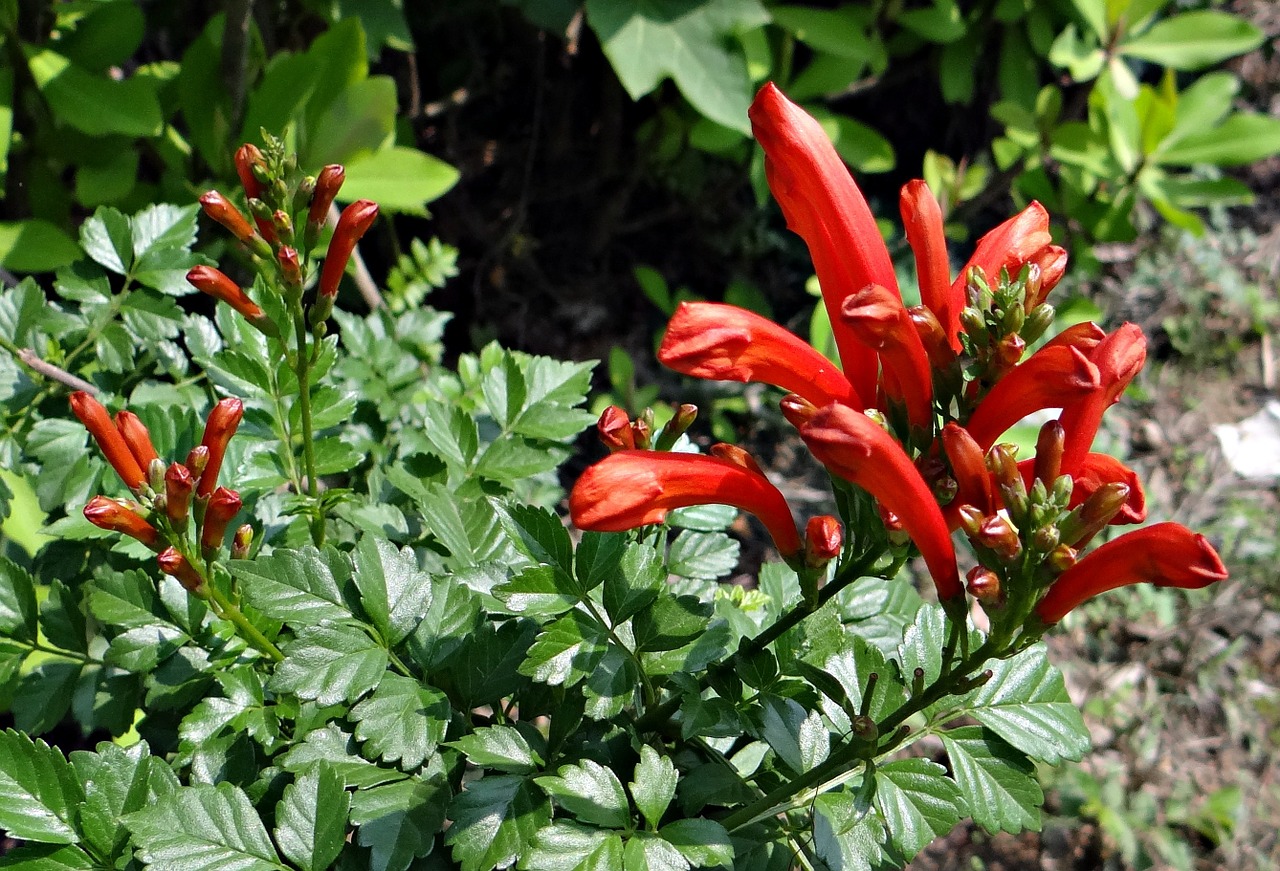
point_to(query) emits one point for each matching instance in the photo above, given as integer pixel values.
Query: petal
(104, 432)
(922, 218)
(1050, 378)
(1118, 357)
(218, 430)
(726, 343)
(1009, 246)
(878, 319)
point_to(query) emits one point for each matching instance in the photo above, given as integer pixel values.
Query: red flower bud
(136, 436)
(248, 157)
(218, 430)
(173, 563)
(104, 432)
(218, 285)
(327, 184)
(355, 221)
(223, 505)
(118, 515)
(876, 316)
(197, 460)
(179, 484)
(240, 544)
(984, 585)
(220, 209)
(290, 267)
(614, 428)
(823, 539)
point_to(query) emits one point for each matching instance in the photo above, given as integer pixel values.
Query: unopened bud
(1039, 320)
(1062, 558)
(679, 424)
(197, 460)
(971, 519)
(1061, 492)
(1045, 539)
(355, 221)
(932, 336)
(865, 728)
(220, 209)
(796, 410)
(223, 505)
(290, 271)
(1049, 445)
(823, 539)
(975, 325)
(119, 515)
(1031, 285)
(223, 420)
(614, 429)
(984, 585)
(242, 541)
(179, 484)
(998, 534)
(1013, 320)
(304, 193)
(642, 428)
(1010, 350)
(155, 474)
(136, 437)
(1003, 463)
(174, 563)
(283, 225)
(328, 182)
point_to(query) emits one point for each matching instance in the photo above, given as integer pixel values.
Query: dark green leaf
(598, 558)
(853, 667)
(311, 819)
(995, 779)
(39, 792)
(330, 664)
(494, 822)
(142, 649)
(707, 555)
(500, 747)
(540, 591)
(670, 622)
(918, 802)
(567, 651)
(399, 821)
(705, 843)
(633, 582)
(799, 738)
(396, 592)
(487, 667)
(44, 695)
(48, 857)
(17, 602)
(96, 105)
(402, 721)
(655, 784)
(299, 587)
(203, 828)
(611, 685)
(117, 781)
(338, 748)
(61, 619)
(452, 616)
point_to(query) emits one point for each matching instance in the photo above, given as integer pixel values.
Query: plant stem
(303, 369)
(251, 633)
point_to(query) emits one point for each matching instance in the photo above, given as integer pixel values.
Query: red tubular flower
(136, 436)
(1118, 357)
(220, 209)
(1164, 554)
(1010, 246)
(1085, 337)
(173, 563)
(104, 432)
(823, 205)
(328, 182)
(876, 316)
(922, 218)
(247, 157)
(968, 465)
(1052, 261)
(634, 488)
(1050, 378)
(218, 285)
(117, 515)
(218, 430)
(1094, 471)
(855, 448)
(178, 487)
(355, 221)
(726, 343)
(224, 504)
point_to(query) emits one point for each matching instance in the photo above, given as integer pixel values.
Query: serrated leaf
(143, 648)
(918, 802)
(330, 664)
(311, 819)
(107, 238)
(399, 821)
(996, 780)
(706, 555)
(500, 747)
(566, 651)
(655, 784)
(853, 666)
(17, 602)
(126, 600)
(402, 721)
(494, 821)
(589, 792)
(705, 843)
(922, 644)
(647, 852)
(299, 587)
(799, 737)
(38, 791)
(203, 828)
(452, 615)
(670, 622)
(487, 667)
(598, 556)
(48, 857)
(62, 619)
(566, 846)
(338, 748)
(44, 695)
(540, 535)
(1026, 704)
(395, 591)
(539, 591)
(117, 781)
(845, 835)
(611, 684)
(634, 583)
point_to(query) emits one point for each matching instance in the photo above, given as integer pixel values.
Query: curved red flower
(1050, 378)
(922, 220)
(113, 445)
(1118, 358)
(1011, 245)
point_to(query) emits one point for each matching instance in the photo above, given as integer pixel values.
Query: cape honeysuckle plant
(405, 659)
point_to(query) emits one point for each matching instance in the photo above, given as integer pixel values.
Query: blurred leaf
(1194, 40)
(96, 105)
(1241, 139)
(34, 245)
(398, 179)
(357, 121)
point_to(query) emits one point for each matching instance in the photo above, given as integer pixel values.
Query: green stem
(36, 646)
(303, 369)
(251, 633)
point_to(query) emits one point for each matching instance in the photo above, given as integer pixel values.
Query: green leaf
(941, 22)
(358, 120)
(540, 591)
(1194, 40)
(540, 535)
(500, 747)
(840, 32)
(331, 745)
(922, 644)
(634, 584)
(402, 721)
(487, 667)
(311, 819)
(399, 821)
(589, 792)
(34, 245)
(117, 781)
(918, 802)
(399, 179)
(44, 695)
(599, 557)
(670, 622)
(395, 591)
(853, 666)
(647, 41)
(706, 555)
(646, 852)
(705, 843)
(453, 614)
(567, 651)
(39, 792)
(17, 603)
(96, 105)
(1202, 105)
(655, 784)
(996, 780)
(107, 237)
(799, 738)
(845, 835)
(1241, 139)
(203, 828)
(299, 587)
(566, 846)
(494, 822)
(330, 664)
(1026, 704)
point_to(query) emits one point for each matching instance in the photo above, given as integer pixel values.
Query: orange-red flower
(726, 343)
(1022, 239)
(220, 209)
(223, 505)
(219, 285)
(218, 430)
(635, 488)
(922, 219)
(877, 317)
(172, 562)
(355, 221)
(104, 432)
(178, 487)
(1050, 378)
(1165, 554)
(118, 515)
(1118, 358)
(857, 449)
(135, 435)
(328, 183)
(824, 206)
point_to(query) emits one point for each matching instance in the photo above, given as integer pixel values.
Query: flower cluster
(914, 413)
(178, 510)
(279, 200)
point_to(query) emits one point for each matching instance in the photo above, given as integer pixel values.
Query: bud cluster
(1001, 321)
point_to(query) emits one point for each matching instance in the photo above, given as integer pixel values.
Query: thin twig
(48, 370)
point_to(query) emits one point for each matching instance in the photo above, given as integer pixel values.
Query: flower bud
(1045, 539)
(241, 542)
(113, 445)
(136, 436)
(290, 270)
(796, 410)
(197, 461)
(1048, 461)
(1013, 320)
(355, 221)
(971, 519)
(1013, 491)
(218, 430)
(1093, 514)
(998, 534)
(118, 515)
(220, 209)
(614, 429)
(823, 539)
(218, 285)
(1010, 350)
(975, 325)
(155, 475)
(283, 225)
(250, 164)
(932, 336)
(1062, 558)
(223, 505)
(328, 183)
(179, 484)
(1039, 320)
(984, 585)
(679, 424)
(174, 563)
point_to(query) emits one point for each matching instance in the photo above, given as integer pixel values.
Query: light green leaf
(17, 602)
(845, 834)
(338, 748)
(402, 721)
(922, 644)
(330, 664)
(500, 747)
(203, 828)
(541, 591)
(494, 822)
(359, 120)
(1242, 138)
(1194, 40)
(39, 792)
(646, 852)
(399, 179)
(798, 737)
(839, 32)
(995, 779)
(589, 792)
(311, 819)
(655, 784)
(34, 245)
(648, 40)
(395, 591)
(706, 555)
(93, 104)
(918, 802)
(566, 846)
